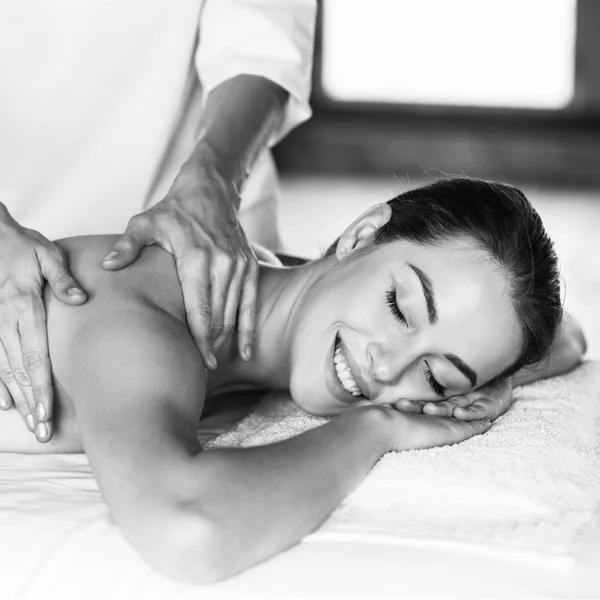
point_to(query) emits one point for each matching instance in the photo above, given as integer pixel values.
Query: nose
(386, 367)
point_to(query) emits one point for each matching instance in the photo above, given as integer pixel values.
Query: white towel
(532, 483)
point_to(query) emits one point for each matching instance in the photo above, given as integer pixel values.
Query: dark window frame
(555, 145)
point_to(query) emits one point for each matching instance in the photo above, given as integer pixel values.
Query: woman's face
(402, 320)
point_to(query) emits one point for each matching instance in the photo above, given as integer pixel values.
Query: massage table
(510, 514)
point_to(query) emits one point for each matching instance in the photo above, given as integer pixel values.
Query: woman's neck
(280, 294)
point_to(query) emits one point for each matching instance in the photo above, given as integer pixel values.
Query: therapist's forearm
(239, 117)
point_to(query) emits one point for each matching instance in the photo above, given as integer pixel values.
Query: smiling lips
(343, 371)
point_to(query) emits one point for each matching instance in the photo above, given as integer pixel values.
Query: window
(491, 53)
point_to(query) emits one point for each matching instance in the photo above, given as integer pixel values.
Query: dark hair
(502, 221)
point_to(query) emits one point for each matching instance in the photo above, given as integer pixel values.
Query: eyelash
(435, 386)
(390, 298)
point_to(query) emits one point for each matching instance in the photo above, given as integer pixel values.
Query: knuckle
(63, 280)
(229, 324)
(215, 330)
(191, 257)
(56, 253)
(41, 390)
(31, 359)
(249, 312)
(124, 244)
(6, 373)
(22, 377)
(22, 406)
(201, 311)
(142, 220)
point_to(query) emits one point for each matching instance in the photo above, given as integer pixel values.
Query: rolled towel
(531, 483)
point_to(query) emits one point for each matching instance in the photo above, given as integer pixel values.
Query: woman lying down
(446, 289)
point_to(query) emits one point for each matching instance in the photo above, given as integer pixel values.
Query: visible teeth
(344, 374)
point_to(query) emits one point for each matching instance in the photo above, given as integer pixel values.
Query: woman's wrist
(374, 423)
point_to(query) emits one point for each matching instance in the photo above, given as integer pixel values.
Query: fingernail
(30, 422)
(212, 359)
(111, 256)
(73, 291)
(248, 352)
(41, 411)
(4, 403)
(41, 430)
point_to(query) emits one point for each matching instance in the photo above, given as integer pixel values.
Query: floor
(315, 210)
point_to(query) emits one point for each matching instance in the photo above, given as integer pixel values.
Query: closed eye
(438, 389)
(390, 297)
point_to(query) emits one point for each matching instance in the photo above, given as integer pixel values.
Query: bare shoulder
(132, 327)
(152, 277)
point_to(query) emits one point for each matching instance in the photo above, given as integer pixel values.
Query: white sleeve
(270, 38)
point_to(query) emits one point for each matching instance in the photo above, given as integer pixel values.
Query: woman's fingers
(488, 402)
(410, 406)
(421, 431)
(475, 411)
(439, 409)
(463, 430)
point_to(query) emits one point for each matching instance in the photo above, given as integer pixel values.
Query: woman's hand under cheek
(418, 431)
(487, 402)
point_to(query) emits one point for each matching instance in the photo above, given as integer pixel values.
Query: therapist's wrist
(205, 175)
(206, 159)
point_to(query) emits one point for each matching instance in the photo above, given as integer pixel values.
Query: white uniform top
(100, 99)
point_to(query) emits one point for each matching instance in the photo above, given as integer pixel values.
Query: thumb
(125, 250)
(56, 272)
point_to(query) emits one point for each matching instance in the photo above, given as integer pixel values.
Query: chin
(315, 405)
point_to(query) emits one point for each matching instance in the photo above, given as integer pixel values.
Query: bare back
(150, 283)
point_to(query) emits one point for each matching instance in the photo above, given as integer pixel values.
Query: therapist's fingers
(15, 377)
(222, 269)
(139, 233)
(6, 402)
(231, 304)
(36, 360)
(54, 268)
(247, 309)
(192, 269)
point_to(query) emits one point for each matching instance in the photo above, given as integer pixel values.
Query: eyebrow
(463, 367)
(427, 286)
(427, 292)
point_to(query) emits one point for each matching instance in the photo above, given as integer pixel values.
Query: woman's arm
(203, 516)
(566, 353)
(198, 516)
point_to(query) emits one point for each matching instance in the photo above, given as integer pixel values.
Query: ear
(361, 231)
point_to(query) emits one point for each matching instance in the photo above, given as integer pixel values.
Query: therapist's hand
(27, 260)
(197, 223)
(487, 402)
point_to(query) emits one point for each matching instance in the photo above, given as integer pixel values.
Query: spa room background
(401, 98)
